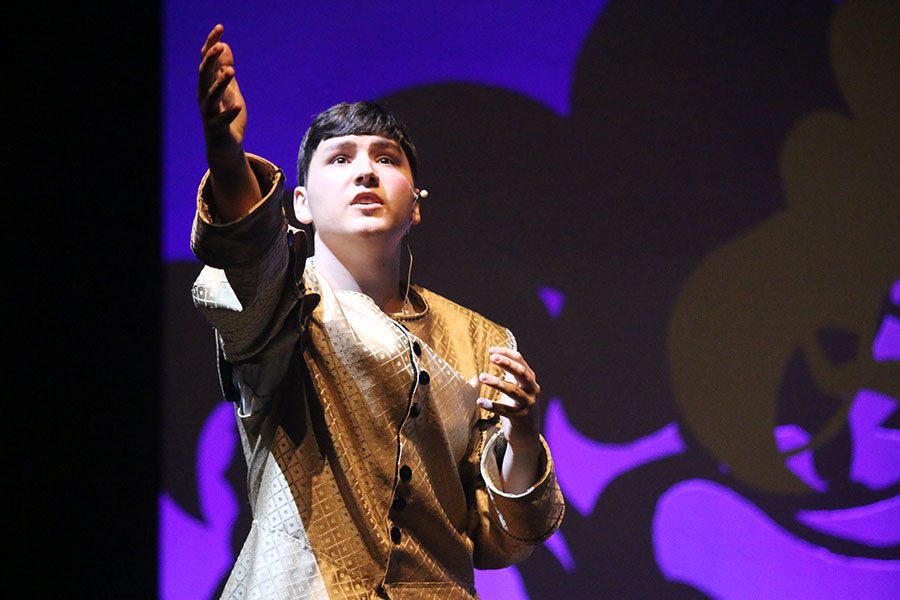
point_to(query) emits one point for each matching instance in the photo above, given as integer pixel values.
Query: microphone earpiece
(417, 194)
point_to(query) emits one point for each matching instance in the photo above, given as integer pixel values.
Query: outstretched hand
(519, 392)
(221, 103)
(224, 114)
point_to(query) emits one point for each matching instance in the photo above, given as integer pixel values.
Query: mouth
(367, 198)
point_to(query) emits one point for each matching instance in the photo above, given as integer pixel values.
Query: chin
(372, 231)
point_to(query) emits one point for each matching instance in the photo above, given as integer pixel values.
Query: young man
(389, 433)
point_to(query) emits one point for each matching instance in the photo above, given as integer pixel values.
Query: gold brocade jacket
(372, 473)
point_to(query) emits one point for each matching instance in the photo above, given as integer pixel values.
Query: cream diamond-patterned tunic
(371, 470)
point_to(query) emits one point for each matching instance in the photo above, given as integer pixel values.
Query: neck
(372, 270)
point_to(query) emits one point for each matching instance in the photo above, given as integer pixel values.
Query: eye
(387, 160)
(340, 159)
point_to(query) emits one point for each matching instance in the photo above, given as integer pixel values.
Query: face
(358, 185)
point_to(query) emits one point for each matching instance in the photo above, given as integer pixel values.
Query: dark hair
(353, 118)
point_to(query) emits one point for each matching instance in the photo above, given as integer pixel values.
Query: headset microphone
(417, 195)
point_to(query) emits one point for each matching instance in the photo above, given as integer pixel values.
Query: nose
(366, 175)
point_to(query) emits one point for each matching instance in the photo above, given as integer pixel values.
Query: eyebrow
(345, 145)
(386, 143)
(378, 145)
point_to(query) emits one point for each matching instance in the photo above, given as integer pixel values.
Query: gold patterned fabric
(372, 472)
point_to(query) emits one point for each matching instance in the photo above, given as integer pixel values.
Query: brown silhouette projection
(825, 262)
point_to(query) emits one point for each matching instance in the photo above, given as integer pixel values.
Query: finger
(514, 355)
(509, 388)
(224, 118)
(523, 375)
(214, 36)
(511, 366)
(503, 408)
(514, 363)
(216, 58)
(211, 70)
(209, 62)
(216, 92)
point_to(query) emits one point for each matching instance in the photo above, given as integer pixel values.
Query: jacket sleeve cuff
(533, 515)
(223, 245)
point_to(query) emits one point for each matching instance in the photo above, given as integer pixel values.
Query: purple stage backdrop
(688, 213)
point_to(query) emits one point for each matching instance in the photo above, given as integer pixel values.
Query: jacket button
(424, 378)
(395, 534)
(399, 503)
(405, 473)
(417, 348)
(415, 410)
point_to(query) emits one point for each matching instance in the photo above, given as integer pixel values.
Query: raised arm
(224, 115)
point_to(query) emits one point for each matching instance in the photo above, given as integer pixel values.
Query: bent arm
(510, 525)
(520, 469)
(518, 500)
(246, 289)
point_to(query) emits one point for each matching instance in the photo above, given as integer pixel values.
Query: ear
(301, 205)
(415, 217)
